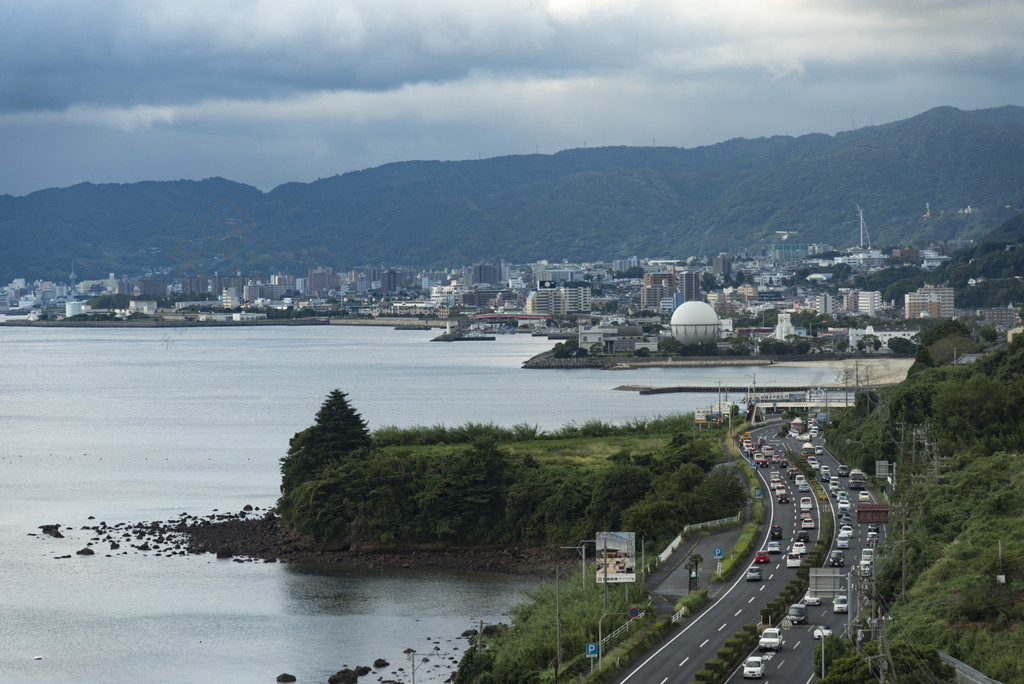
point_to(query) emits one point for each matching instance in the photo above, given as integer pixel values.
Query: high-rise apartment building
(929, 300)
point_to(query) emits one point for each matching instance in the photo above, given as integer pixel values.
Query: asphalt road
(681, 654)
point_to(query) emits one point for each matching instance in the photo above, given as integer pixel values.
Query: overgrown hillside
(581, 204)
(957, 437)
(483, 484)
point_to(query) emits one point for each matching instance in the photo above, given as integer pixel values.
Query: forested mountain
(581, 204)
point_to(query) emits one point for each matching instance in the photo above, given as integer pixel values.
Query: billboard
(616, 556)
(701, 415)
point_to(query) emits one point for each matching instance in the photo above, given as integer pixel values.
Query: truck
(771, 640)
(858, 480)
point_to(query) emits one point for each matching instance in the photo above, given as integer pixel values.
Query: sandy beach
(865, 371)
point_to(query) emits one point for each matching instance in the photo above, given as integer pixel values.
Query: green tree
(901, 345)
(338, 430)
(988, 333)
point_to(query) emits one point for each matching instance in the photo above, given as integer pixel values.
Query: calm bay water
(144, 424)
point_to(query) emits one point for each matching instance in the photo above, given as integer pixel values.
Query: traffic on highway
(794, 511)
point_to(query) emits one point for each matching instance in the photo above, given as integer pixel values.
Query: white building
(784, 328)
(883, 335)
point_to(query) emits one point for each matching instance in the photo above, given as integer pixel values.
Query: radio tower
(863, 228)
(72, 276)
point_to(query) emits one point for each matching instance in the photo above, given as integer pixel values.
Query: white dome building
(695, 322)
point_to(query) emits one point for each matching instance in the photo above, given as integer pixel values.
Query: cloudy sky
(271, 92)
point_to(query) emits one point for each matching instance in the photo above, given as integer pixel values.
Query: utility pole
(558, 624)
(604, 562)
(903, 543)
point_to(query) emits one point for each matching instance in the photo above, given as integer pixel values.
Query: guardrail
(624, 627)
(693, 528)
(965, 674)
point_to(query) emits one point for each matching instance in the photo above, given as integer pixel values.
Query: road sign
(718, 552)
(591, 650)
(633, 612)
(757, 493)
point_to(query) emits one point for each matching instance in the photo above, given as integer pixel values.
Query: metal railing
(965, 674)
(623, 628)
(693, 528)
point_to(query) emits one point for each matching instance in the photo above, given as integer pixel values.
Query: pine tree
(338, 431)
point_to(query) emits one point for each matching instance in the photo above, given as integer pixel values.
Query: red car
(762, 557)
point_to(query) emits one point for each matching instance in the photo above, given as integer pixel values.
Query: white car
(822, 631)
(774, 547)
(805, 503)
(840, 604)
(813, 462)
(845, 532)
(844, 506)
(864, 496)
(793, 560)
(753, 668)
(811, 600)
(843, 543)
(799, 547)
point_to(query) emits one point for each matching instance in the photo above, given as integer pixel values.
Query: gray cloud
(270, 92)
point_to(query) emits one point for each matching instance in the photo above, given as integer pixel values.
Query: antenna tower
(863, 228)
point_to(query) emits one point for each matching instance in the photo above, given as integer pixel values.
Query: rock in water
(285, 677)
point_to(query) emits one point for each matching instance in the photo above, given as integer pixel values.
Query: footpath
(671, 580)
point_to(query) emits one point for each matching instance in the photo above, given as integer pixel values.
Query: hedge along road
(723, 618)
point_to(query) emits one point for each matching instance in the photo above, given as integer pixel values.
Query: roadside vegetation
(956, 437)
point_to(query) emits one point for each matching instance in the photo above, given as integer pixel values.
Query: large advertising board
(616, 556)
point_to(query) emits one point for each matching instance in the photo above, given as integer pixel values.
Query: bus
(807, 450)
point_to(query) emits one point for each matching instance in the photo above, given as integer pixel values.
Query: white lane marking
(682, 663)
(694, 621)
(724, 625)
(705, 641)
(737, 612)
(751, 599)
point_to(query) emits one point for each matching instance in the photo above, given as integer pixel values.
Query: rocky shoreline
(252, 535)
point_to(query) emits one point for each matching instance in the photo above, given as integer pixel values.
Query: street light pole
(600, 645)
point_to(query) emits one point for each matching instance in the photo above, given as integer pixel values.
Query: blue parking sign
(718, 552)
(591, 650)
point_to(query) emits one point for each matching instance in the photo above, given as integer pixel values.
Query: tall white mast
(863, 228)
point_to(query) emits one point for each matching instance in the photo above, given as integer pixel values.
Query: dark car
(873, 527)
(843, 471)
(776, 532)
(836, 560)
(798, 614)
(783, 463)
(792, 473)
(802, 536)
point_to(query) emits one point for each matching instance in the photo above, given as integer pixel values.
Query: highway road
(680, 655)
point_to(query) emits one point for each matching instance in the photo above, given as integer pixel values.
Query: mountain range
(580, 205)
